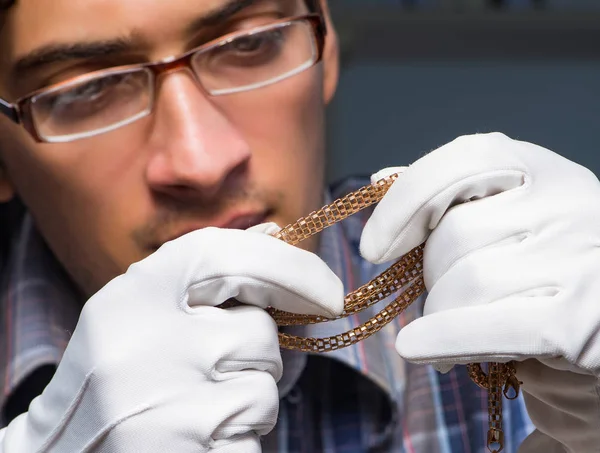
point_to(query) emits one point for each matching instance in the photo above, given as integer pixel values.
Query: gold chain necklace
(404, 280)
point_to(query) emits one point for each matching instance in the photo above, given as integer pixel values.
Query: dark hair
(314, 6)
(5, 4)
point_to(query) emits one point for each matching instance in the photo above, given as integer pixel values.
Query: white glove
(512, 267)
(154, 366)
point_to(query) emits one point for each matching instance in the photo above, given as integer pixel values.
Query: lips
(244, 222)
(235, 222)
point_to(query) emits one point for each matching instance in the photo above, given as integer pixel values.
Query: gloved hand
(154, 366)
(512, 268)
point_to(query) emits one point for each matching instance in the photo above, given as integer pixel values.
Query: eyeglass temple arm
(9, 110)
(316, 6)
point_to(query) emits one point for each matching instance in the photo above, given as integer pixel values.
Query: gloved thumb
(419, 198)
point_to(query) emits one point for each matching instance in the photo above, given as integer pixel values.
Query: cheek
(284, 124)
(84, 198)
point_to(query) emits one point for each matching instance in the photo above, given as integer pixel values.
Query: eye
(252, 50)
(107, 96)
(88, 92)
(254, 43)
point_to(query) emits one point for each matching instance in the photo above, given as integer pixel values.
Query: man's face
(233, 161)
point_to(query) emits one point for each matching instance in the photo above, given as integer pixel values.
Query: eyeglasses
(105, 100)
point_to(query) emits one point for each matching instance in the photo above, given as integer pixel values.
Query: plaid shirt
(361, 399)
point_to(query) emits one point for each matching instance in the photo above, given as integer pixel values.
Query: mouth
(237, 221)
(243, 222)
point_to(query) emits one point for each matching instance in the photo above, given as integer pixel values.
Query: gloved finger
(251, 405)
(572, 399)
(512, 329)
(245, 338)
(213, 265)
(479, 225)
(237, 346)
(247, 443)
(187, 421)
(491, 274)
(384, 173)
(465, 169)
(269, 228)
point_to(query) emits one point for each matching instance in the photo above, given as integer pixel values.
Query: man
(150, 150)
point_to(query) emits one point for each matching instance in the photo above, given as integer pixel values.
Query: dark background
(417, 74)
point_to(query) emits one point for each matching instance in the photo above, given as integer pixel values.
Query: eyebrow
(219, 15)
(53, 53)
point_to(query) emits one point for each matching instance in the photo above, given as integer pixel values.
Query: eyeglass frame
(20, 111)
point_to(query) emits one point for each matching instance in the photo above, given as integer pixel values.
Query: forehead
(31, 23)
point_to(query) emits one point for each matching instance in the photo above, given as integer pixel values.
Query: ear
(7, 192)
(331, 57)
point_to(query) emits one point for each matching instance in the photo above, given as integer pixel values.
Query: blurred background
(418, 73)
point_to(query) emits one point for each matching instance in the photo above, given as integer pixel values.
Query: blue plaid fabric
(361, 399)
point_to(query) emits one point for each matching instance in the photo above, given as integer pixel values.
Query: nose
(194, 147)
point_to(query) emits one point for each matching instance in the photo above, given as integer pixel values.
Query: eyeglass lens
(113, 99)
